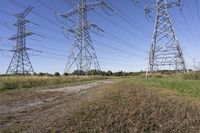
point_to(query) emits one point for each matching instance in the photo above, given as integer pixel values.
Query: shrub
(57, 74)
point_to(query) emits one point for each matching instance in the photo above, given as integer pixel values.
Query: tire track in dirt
(75, 89)
(23, 104)
(42, 107)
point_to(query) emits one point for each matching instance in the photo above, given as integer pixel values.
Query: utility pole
(20, 63)
(165, 49)
(83, 56)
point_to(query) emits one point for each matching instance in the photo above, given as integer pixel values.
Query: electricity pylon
(165, 52)
(20, 63)
(83, 54)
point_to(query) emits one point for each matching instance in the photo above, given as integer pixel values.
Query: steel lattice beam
(83, 54)
(20, 63)
(165, 52)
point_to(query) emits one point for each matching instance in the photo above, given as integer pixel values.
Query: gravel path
(75, 89)
(33, 111)
(24, 101)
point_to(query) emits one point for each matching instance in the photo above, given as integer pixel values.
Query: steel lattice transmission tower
(165, 52)
(20, 63)
(83, 56)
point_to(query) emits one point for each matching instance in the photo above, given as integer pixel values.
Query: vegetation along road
(105, 105)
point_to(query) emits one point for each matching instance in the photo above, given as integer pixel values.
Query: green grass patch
(187, 87)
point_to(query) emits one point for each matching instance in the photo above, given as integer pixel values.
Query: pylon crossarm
(83, 52)
(20, 63)
(165, 49)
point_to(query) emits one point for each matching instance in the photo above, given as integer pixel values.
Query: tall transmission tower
(20, 63)
(165, 52)
(83, 56)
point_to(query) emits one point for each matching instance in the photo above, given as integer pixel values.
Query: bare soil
(34, 111)
(74, 89)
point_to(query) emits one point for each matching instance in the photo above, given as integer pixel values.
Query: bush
(57, 74)
(155, 75)
(66, 74)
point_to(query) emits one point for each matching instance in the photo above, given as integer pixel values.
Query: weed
(27, 82)
(127, 108)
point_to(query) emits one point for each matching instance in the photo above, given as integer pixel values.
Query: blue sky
(135, 35)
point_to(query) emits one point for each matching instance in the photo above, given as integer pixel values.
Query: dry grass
(192, 75)
(32, 82)
(121, 107)
(126, 108)
(41, 117)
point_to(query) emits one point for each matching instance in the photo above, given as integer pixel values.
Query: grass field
(185, 87)
(138, 105)
(126, 105)
(35, 82)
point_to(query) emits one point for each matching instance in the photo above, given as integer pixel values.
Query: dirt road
(34, 111)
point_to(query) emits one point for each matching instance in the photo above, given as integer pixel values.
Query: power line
(41, 26)
(191, 15)
(55, 39)
(117, 49)
(46, 6)
(35, 13)
(99, 42)
(121, 27)
(116, 38)
(197, 6)
(46, 19)
(111, 61)
(56, 56)
(69, 2)
(130, 20)
(7, 13)
(189, 29)
(51, 37)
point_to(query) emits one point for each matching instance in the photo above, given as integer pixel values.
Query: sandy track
(20, 111)
(20, 104)
(75, 89)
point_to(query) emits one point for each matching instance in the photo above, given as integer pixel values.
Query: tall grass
(21, 82)
(192, 75)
